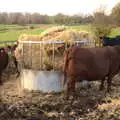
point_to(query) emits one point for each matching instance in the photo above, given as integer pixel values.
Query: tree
(102, 24)
(4, 18)
(17, 18)
(77, 19)
(101, 18)
(35, 18)
(116, 13)
(27, 18)
(88, 19)
(62, 19)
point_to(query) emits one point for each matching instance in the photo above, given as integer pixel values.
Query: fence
(47, 55)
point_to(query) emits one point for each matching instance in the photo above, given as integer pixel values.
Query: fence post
(53, 55)
(40, 56)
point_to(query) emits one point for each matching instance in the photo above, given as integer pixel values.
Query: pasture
(91, 103)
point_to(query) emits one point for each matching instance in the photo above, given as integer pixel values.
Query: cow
(12, 49)
(107, 41)
(4, 58)
(90, 64)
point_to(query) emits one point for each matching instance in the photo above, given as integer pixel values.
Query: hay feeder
(41, 71)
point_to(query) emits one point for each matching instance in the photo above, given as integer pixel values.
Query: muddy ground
(91, 104)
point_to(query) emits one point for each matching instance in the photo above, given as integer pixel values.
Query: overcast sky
(52, 7)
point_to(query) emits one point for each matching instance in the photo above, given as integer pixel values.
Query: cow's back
(89, 63)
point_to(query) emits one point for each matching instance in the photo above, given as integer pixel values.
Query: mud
(91, 104)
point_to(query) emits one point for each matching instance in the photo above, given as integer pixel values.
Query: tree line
(37, 18)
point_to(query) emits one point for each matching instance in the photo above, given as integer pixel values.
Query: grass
(114, 32)
(81, 27)
(2, 26)
(12, 34)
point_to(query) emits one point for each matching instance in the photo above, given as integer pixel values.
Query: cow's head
(2, 51)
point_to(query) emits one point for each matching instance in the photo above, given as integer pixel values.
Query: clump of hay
(46, 35)
(57, 33)
(45, 57)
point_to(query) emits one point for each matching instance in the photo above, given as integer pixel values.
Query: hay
(58, 33)
(35, 59)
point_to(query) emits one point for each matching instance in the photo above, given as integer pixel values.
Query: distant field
(13, 35)
(81, 27)
(115, 32)
(12, 32)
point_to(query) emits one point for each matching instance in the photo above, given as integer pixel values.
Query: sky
(52, 7)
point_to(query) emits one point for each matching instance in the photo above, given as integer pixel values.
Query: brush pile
(48, 56)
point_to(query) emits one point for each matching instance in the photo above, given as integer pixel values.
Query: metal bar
(21, 65)
(52, 42)
(65, 46)
(40, 55)
(30, 54)
(43, 60)
(22, 56)
(53, 55)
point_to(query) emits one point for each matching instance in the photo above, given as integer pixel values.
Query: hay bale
(32, 55)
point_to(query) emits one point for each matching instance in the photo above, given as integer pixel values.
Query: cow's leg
(109, 81)
(102, 84)
(16, 66)
(71, 86)
(18, 73)
(1, 78)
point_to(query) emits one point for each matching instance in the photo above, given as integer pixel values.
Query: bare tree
(100, 16)
(35, 18)
(116, 13)
(16, 18)
(4, 18)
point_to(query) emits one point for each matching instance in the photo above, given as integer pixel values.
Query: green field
(13, 35)
(115, 32)
(12, 32)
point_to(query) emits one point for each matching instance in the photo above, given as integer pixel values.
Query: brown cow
(12, 49)
(91, 64)
(4, 58)
(3, 61)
